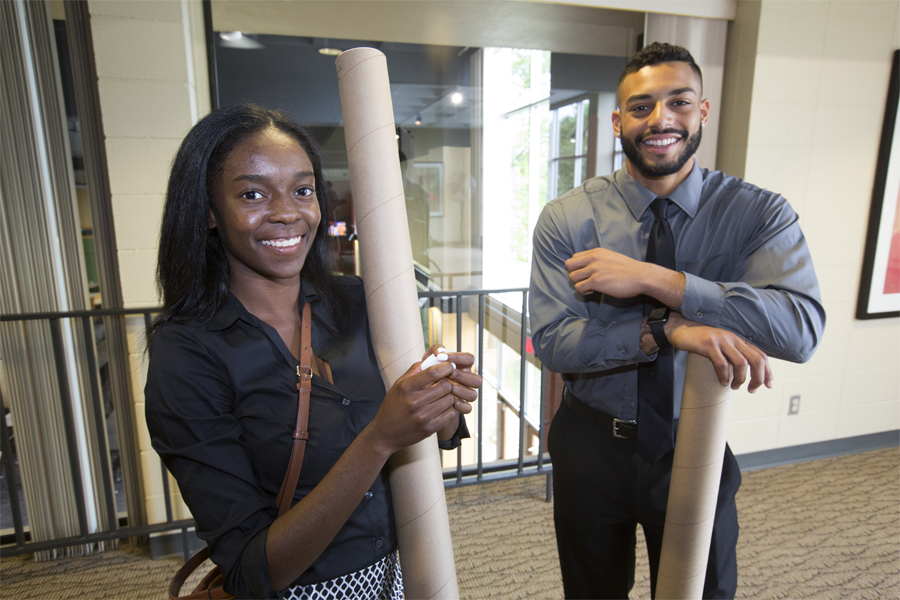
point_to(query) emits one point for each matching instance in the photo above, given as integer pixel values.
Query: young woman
(242, 250)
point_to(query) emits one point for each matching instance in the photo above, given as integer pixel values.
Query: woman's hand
(417, 405)
(422, 402)
(465, 382)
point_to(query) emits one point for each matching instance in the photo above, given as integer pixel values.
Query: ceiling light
(456, 97)
(330, 51)
(418, 119)
(237, 40)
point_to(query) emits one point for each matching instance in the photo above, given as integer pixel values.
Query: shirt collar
(228, 313)
(232, 309)
(638, 198)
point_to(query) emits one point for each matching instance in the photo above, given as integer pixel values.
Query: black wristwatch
(657, 322)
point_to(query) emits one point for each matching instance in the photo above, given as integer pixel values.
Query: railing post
(100, 425)
(542, 422)
(65, 399)
(459, 349)
(480, 465)
(523, 364)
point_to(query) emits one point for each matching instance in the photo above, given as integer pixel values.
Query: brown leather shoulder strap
(185, 571)
(301, 433)
(211, 586)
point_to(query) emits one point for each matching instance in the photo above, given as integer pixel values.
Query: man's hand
(608, 272)
(722, 348)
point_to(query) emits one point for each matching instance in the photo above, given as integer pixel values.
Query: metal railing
(499, 469)
(117, 524)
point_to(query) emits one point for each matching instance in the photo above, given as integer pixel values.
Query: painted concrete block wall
(148, 55)
(149, 100)
(806, 109)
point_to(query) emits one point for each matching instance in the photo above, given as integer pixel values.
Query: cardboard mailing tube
(417, 487)
(696, 471)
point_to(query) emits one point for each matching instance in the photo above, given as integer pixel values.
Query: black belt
(620, 428)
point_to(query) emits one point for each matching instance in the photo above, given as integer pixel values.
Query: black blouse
(221, 404)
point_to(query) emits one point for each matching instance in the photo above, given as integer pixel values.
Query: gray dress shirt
(746, 263)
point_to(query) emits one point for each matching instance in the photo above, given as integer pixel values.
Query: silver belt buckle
(616, 427)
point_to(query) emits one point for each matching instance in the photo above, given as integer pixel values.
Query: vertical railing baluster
(522, 391)
(480, 463)
(459, 349)
(542, 422)
(65, 399)
(100, 424)
(541, 432)
(167, 500)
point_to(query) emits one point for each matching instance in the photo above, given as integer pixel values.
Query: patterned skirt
(379, 581)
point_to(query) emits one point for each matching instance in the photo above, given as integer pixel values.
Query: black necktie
(656, 427)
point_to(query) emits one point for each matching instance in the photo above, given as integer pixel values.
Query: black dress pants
(602, 488)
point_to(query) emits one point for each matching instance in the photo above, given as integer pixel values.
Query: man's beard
(633, 152)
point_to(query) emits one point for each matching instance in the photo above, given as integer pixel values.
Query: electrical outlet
(795, 405)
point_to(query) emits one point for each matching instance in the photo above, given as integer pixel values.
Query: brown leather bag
(210, 587)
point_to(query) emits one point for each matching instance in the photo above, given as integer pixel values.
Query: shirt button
(699, 314)
(379, 543)
(631, 403)
(369, 494)
(622, 352)
(346, 401)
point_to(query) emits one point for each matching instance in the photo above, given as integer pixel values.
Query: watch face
(659, 315)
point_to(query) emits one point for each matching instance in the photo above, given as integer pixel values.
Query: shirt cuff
(462, 432)
(251, 578)
(703, 300)
(623, 341)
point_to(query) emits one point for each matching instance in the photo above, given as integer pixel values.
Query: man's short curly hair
(658, 53)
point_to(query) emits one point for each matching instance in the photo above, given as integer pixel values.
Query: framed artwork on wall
(879, 290)
(430, 177)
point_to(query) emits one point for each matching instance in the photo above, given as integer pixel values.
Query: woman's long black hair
(192, 269)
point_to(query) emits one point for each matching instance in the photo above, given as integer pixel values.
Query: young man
(631, 272)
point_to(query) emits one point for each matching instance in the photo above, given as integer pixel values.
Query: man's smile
(661, 142)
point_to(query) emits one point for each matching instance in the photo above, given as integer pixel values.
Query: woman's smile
(286, 243)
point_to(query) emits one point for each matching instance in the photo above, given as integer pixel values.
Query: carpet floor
(824, 529)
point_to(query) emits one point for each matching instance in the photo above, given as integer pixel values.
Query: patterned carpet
(823, 529)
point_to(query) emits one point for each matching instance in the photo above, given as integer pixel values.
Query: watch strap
(657, 321)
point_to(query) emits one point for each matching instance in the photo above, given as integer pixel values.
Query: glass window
(486, 135)
(568, 153)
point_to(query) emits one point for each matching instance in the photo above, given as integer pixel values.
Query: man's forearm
(666, 285)
(785, 324)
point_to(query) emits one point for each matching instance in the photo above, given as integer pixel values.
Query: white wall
(806, 85)
(148, 97)
(151, 70)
